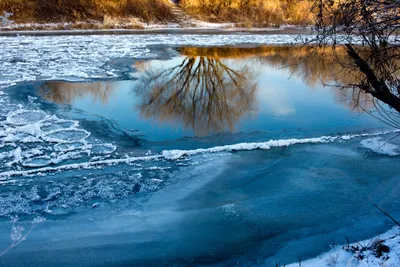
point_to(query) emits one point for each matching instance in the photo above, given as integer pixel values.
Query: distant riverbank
(163, 29)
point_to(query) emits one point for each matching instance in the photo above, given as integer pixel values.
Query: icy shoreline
(371, 252)
(83, 57)
(115, 27)
(156, 30)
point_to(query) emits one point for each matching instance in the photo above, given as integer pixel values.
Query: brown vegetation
(80, 10)
(251, 12)
(244, 12)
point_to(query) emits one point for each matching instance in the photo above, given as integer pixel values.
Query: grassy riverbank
(251, 12)
(40, 11)
(247, 13)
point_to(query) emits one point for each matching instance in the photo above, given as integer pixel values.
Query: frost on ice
(380, 146)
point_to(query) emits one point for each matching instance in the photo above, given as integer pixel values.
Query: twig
(384, 212)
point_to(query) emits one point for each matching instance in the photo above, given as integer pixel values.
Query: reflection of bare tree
(375, 25)
(203, 92)
(66, 92)
(316, 66)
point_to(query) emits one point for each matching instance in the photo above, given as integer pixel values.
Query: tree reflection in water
(202, 91)
(211, 89)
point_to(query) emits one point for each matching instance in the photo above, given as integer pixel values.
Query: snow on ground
(383, 250)
(380, 146)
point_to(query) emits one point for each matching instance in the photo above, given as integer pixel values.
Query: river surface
(189, 155)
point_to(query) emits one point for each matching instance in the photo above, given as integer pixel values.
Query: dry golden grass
(78, 10)
(251, 12)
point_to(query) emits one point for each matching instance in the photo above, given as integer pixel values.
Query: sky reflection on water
(206, 91)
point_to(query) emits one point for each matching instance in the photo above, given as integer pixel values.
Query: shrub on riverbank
(251, 12)
(78, 10)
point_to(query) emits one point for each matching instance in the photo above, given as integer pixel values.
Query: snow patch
(175, 154)
(341, 256)
(380, 146)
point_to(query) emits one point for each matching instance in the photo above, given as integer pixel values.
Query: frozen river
(173, 150)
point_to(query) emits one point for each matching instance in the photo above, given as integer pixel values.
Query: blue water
(250, 208)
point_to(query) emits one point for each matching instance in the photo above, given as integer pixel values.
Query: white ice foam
(17, 155)
(175, 154)
(83, 165)
(380, 146)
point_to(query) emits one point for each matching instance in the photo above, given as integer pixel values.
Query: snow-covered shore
(382, 250)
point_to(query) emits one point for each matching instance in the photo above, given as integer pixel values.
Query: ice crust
(30, 58)
(31, 138)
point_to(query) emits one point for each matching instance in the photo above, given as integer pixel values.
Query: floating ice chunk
(37, 162)
(32, 129)
(69, 146)
(103, 148)
(59, 124)
(66, 135)
(32, 153)
(17, 154)
(23, 117)
(379, 146)
(68, 156)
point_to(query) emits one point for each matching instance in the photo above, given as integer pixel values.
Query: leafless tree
(369, 31)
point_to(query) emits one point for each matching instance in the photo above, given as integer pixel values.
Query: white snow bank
(176, 154)
(357, 256)
(380, 146)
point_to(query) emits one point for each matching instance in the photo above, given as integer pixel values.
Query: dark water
(69, 153)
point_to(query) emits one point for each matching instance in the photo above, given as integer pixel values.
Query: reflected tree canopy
(202, 91)
(208, 95)
(210, 89)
